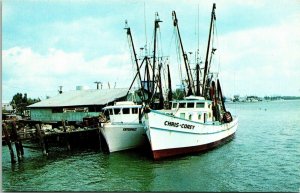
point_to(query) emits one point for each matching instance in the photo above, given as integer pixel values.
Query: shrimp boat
(196, 123)
(123, 128)
(188, 127)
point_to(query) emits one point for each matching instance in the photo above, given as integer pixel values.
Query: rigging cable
(132, 60)
(179, 59)
(217, 39)
(163, 63)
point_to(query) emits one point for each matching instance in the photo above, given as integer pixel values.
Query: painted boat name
(129, 129)
(176, 124)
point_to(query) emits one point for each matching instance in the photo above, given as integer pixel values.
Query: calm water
(263, 156)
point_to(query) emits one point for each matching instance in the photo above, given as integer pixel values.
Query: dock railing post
(8, 142)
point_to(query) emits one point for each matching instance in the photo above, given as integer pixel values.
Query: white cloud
(85, 47)
(264, 60)
(40, 75)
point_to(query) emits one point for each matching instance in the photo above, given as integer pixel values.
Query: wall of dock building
(47, 115)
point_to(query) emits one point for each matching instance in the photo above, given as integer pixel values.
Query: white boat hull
(169, 135)
(123, 136)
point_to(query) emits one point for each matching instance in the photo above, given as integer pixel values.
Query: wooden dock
(51, 134)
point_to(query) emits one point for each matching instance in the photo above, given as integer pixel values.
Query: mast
(169, 85)
(134, 79)
(197, 80)
(148, 77)
(135, 58)
(213, 17)
(161, 98)
(156, 26)
(185, 58)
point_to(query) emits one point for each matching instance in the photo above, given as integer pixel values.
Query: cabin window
(199, 117)
(117, 111)
(126, 111)
(134, 110)
(110, 111)
(174, 105)
(182, 105)
(190, 117)
(199, 105)
(209, 106)
(182, 115)
(190, 105)
(209, 114)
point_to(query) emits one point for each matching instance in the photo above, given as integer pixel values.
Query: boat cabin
(123, 112)
(193, 108)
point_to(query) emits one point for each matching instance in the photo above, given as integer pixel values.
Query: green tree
(20, 102)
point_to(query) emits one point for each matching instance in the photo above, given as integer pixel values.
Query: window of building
(190, 105)
(126, 111)
(57, 110)
(199, 105)
(182, 105)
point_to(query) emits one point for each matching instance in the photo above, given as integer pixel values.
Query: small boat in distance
(123, 128)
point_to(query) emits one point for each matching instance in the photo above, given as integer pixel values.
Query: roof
(82, 97)
(123, 104)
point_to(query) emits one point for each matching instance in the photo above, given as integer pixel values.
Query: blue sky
(50, 43)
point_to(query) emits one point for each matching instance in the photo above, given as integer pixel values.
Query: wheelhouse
(123, 112)
(193, 108)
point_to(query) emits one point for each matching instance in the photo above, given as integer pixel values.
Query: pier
(20, 134)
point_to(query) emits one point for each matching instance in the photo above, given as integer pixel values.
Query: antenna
(97, 82)
(145, 27)
(60, 89)
(198, 37)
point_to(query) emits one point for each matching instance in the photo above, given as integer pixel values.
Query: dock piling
(67, 134)
(8, 142)
(18, 143)
(99, 134)
(41, 138)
